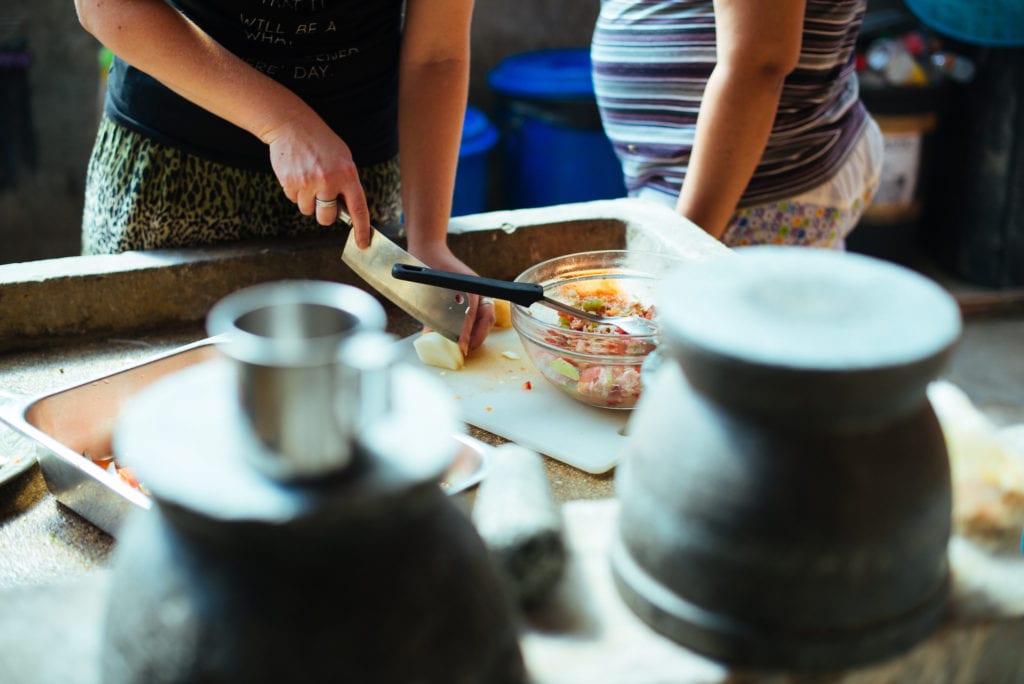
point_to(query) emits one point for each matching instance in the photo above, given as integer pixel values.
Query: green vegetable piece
(592, 304)
(563, 367)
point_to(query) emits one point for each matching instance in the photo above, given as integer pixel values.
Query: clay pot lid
(809, 309)
(795, 331)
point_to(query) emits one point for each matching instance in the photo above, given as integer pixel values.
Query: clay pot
(270, 557)
(785, 492)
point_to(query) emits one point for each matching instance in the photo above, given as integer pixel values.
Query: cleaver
(438, 308)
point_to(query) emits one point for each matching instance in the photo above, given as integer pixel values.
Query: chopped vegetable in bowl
(593, 363)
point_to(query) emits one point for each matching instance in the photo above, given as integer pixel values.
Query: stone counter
(69, 320)
(57, 301)
(65, 321)
(585, 634)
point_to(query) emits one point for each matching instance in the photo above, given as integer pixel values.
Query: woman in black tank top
(234, 119)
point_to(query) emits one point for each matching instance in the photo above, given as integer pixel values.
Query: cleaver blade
(438, 308)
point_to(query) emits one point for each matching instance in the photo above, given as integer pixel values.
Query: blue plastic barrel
(554, 150)
(479, 136)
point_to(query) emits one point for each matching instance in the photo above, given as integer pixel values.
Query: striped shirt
(651, 62)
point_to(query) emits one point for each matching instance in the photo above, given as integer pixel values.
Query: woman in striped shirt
(743, 115)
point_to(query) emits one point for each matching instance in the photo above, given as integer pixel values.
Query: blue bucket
(554, 150)
(479, 136)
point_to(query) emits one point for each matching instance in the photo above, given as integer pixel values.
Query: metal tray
(66, 423)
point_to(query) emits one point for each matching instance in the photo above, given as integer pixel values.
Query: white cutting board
(489, 393)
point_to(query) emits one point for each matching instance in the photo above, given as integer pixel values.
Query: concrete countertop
(70, 320)
(65, 321)
(43, 541)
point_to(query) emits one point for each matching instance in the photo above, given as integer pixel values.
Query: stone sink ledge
(56, 301)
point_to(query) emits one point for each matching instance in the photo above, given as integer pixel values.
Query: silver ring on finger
(326, 203)
(486, 301)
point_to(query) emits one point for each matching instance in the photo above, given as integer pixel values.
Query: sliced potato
(502, 314)
(434, 349)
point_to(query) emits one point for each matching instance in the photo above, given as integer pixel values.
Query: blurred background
(947, 92)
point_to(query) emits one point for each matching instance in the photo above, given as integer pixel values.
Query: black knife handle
(523, 294)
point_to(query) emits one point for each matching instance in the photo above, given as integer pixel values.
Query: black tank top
(340, 56)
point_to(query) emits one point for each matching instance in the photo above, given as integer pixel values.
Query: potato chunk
(434, 349)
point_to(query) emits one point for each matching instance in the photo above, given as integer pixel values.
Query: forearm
(757, 46)
(732, 131)
(157, 39)
(433, 87)
(433, 103)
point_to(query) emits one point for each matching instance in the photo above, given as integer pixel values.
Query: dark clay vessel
(785, 495)
(340, 559)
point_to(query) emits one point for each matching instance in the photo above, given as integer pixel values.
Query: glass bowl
(599, 366)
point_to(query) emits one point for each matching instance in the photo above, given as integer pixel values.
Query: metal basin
(72, 425)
